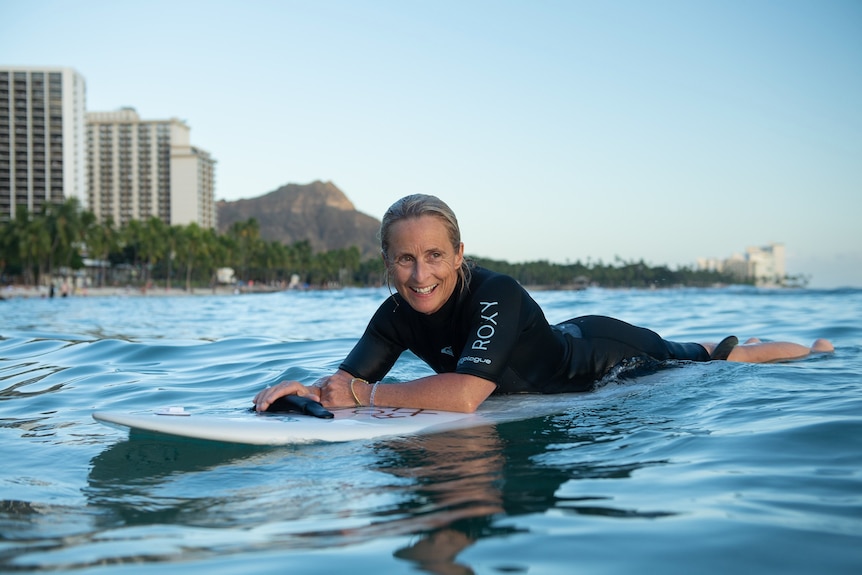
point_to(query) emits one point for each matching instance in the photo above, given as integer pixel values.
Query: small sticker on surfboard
(172, 410)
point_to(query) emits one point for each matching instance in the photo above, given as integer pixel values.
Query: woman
(482, 333)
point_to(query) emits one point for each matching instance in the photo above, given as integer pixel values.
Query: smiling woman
(422, 262)
(482, 333)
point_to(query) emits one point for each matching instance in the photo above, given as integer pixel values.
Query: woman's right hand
(267, 396)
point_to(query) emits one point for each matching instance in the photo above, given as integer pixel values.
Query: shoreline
(11, 292)
(42, 292)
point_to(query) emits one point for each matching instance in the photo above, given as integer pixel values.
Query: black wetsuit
(496, 331)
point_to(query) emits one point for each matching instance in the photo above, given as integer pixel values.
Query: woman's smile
(424, 291)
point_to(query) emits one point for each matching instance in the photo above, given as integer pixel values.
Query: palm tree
(302, 258)
(131, 237)
(101, 239)
(246, 235)
(147, 242)
(34, 244)
(189, 246)
(153, 244)
(217, 253)
(6, 246)
(174, 237)
(63, 222)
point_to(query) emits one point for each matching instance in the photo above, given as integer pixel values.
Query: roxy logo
(486, 331)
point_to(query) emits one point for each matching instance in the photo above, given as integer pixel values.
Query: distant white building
(143, 168)
(42, 137)
(765, 265)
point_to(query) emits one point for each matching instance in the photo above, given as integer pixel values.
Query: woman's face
(423, 264)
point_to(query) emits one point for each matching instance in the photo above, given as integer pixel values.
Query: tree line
(36, 249)
(628, 274)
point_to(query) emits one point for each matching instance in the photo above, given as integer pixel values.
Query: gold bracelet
(353, 393)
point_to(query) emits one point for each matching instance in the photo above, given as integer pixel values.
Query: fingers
(267, 396)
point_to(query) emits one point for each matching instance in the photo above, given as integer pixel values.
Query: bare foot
(822, 346)
(752, 340)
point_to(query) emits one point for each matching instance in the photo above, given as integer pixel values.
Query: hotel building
(143, 168)
(764, 264)
(116, 164)
(42, 138)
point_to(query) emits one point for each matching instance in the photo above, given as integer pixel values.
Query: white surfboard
(348, 424)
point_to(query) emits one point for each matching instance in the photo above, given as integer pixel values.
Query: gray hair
(416, 206)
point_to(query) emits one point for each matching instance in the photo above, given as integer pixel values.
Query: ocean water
(706, 468)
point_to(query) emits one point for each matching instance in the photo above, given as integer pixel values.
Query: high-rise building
(42, 137)
(765, 265)
(143, 168)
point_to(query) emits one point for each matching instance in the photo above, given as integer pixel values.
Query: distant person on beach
(482, 333)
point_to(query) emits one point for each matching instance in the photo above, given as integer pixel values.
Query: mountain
(318, 212)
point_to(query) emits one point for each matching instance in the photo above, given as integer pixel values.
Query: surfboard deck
(348, 424)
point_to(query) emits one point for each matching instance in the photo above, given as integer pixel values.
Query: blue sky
(559, 130)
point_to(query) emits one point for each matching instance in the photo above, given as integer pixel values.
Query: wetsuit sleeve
(494, 324)
(377, 350)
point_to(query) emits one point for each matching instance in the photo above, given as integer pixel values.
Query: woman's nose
(420, 270)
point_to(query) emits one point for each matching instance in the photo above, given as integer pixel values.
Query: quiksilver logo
(448, 351)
